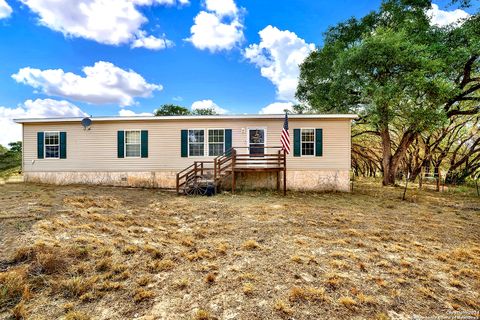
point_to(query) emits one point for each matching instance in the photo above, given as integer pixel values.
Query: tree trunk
(388, 173)
(392, 162)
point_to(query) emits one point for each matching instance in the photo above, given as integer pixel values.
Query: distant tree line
(414, 85)
(175, 110)
(10, 157)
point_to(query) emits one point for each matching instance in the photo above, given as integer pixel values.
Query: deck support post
(278, 181)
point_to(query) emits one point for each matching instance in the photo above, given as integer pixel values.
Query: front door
(256, 141)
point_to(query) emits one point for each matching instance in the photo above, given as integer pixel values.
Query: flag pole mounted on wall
(285, 138)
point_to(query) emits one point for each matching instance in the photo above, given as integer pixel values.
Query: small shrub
(251, 245)
(109, 286)
(182, 283)
(144, 280)
(68, 307)
(76, 286)
(130, 249)
(248, 288)
(23, 254)
(296, 259)
(162, 265)
(210, 278)
(103, 265)
(333, 281)
(455, 283)
(19, 312)
(365, 299)
(76, 315)
(202, 315)
(51, 263)
(142, 295)
(307, 294)
(87, 297)
(222, 248)
(282, 307)
(12, 287)
(199, 255)
(153, 252)
(347, 302)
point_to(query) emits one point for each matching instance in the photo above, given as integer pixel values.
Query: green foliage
(12, 157)
(204, 112)
(402, 75)
(390, 64)
(172, 110)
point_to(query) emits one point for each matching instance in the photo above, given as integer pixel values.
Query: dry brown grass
(94, 252)
(307, 294)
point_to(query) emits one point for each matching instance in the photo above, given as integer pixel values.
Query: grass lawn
(81, 252)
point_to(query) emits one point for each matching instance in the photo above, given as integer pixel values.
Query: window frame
(45, 144)
(314, 143)
(208, 142)
(125, 143)
(205, 138)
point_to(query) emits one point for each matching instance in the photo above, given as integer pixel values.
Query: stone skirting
(320, 180)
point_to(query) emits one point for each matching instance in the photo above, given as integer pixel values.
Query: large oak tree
(396, 70)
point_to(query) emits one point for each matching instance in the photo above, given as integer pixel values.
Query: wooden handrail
(225, 164)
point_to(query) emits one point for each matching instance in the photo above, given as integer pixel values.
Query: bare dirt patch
(115, 253)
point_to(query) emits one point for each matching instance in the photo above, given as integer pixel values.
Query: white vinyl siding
(95, 150)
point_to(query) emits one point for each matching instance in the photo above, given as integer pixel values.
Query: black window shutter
(63, 145)
(318, 142)
(296, 143)
(40, 145)
(120, 144)
(144, 147)
(184, 138)
(228, 140)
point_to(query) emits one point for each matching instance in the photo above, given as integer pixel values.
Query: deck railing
(233, 160)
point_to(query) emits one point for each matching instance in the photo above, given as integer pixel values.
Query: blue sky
(144, 53)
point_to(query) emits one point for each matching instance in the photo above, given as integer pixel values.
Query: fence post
(420, 179)
(406, 185)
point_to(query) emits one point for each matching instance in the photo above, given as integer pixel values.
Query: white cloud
(130, 113)
(277, 108)
(40, 108)
(5, 9)
(151, 42)
(208, 104)
(103, 83)
(278, 55)
(112, 22)
(177, 98)
(443, 18)
(222, 7)
(218, 28)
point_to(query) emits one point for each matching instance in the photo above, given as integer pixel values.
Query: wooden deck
(232, 162)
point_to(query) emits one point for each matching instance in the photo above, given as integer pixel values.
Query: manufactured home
(231, 151)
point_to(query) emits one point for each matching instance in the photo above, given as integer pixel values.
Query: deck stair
(206, 177)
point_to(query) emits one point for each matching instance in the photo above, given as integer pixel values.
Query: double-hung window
(308, 142)
(52, 145)
(196, 143)
(132, 143)
(216, 142)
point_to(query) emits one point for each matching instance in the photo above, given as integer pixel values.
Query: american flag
(285, 139)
